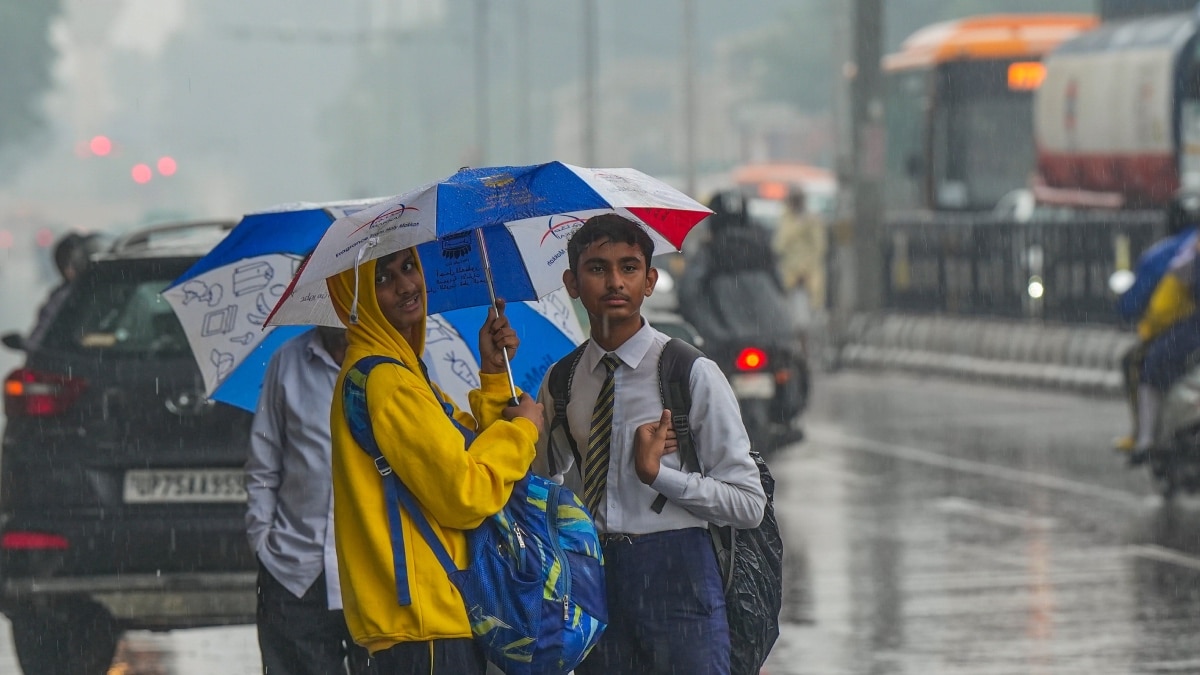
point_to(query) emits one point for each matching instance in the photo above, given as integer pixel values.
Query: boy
(665, 597)
(456, 488)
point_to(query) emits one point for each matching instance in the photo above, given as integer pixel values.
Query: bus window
(982, 135)
(907, 103)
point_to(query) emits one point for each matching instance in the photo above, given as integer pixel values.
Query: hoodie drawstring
(362, 252)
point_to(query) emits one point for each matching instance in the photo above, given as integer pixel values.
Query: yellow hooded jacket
(457, 489)
(1170, 303)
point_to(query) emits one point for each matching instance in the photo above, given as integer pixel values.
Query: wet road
(936, 527)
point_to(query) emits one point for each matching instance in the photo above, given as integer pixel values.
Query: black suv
(121, 487)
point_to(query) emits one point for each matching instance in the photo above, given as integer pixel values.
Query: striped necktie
(595, 465)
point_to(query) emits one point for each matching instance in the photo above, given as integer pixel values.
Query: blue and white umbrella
(548, 330)
(487, 233)
(522, 216)
(224, 299)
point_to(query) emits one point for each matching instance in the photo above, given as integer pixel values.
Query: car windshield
(120, 311)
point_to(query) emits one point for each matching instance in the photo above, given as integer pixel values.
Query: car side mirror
(13, 341)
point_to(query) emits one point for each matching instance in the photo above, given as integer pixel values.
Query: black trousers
(302, 636)
(435, 657)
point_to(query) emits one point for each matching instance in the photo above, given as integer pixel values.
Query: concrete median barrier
(1018, 353)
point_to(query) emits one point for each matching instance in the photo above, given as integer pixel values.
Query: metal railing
(980, 265)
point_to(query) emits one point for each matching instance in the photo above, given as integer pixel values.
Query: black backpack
(751, 560)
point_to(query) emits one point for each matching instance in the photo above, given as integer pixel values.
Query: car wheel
(74, 637)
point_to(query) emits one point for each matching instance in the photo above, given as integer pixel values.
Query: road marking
(831, 436)
(1163, 554)
(992, 514)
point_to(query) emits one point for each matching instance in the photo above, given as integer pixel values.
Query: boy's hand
(650, 442)
(530, 409)
(496, 335)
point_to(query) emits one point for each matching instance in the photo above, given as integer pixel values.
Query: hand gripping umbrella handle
(487, 273)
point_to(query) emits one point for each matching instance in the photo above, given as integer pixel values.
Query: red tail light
(751, 358)
(30, 393)
(33, 541)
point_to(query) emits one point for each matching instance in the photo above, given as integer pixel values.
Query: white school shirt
(730, 491)
(289, 479)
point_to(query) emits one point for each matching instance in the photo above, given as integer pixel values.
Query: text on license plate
(756, 385)
(148, 486)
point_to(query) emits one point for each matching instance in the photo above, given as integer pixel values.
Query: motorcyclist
(1169, 327)
(730, 289)
(731, 293)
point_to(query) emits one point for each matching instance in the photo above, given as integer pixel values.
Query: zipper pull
(566, 609)
(520, 539)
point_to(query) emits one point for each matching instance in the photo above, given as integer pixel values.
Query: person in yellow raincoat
(457, 489)
(1170, 303)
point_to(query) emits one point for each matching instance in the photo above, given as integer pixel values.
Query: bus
(959, 108)
(1117, 121)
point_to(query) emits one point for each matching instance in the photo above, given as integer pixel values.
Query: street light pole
(589, 82)
(867, 156)
(524, 143)
(689, 96)
(481, 83)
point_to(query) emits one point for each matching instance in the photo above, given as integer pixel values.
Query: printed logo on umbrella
(561, 227)
(499, 180)
(384, 218)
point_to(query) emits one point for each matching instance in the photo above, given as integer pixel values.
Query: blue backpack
(534, 589)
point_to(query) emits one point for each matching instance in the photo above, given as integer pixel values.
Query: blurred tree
(28, 57)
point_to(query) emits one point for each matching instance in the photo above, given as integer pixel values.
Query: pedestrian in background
(666, 600)
(70, 258)
(800, 245)
(289, 519)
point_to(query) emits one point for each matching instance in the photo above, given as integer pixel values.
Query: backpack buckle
(382, 467)
(680, 423)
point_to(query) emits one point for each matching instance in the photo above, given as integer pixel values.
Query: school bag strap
(562, 374)
(675, 387)
(354, 398)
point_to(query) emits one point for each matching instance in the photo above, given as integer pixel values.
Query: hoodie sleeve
(422, 445)
(490, 399)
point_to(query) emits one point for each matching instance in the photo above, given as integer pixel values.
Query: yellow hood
(373, 332)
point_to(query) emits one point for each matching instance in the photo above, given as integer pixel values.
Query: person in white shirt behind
(289, 519)
(666, 600)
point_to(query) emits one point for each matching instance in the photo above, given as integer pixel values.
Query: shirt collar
(315, 349)
(630, 353)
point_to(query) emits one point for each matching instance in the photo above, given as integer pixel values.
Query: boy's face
(400, 290)
(612, 281)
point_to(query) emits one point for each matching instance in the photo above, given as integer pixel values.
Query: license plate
(157, 486)
(753, 385)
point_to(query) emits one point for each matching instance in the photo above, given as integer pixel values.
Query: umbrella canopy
(523, 216)
(223, 301)
(548, 330)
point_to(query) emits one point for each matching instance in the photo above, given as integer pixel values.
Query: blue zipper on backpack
(562, 556)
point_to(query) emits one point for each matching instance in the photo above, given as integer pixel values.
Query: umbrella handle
(487, 273)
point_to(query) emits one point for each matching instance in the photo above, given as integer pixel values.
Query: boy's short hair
(611, 227)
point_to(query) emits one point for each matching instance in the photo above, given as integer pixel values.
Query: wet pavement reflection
(940, 527)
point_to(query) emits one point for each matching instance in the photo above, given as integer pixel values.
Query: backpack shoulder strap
(675, 387)
(354, 403)
(559, 383)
